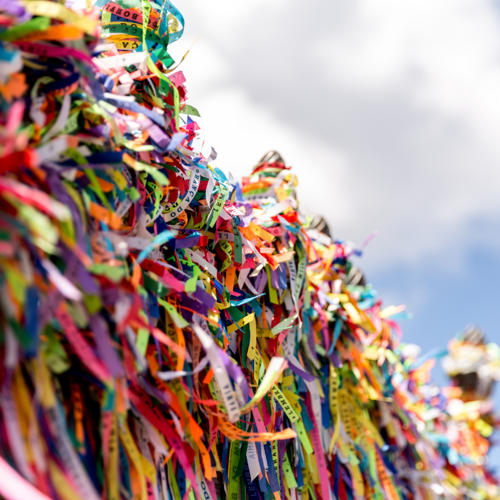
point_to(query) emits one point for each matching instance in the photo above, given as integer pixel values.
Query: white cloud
(388, 110)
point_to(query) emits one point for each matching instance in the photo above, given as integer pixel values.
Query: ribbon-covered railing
(166, 333)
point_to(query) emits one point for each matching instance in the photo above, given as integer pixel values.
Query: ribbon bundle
(166, 333)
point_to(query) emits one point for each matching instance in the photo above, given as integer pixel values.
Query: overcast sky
(389, 112)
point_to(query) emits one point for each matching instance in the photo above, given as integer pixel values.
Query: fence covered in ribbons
(167, 334)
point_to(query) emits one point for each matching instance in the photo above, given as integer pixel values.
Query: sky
(389, 113)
